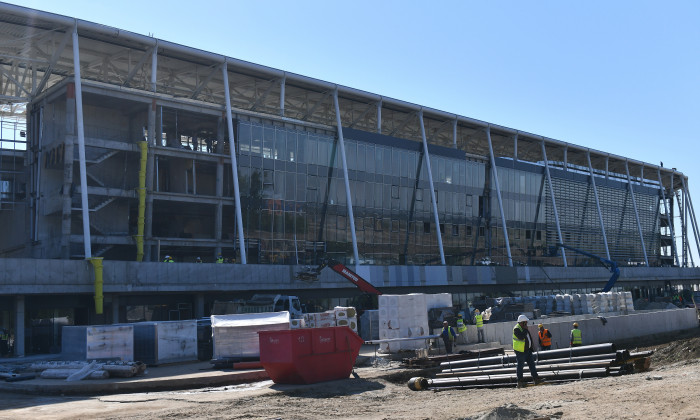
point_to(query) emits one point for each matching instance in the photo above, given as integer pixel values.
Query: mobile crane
(610, 265)
(311, 274)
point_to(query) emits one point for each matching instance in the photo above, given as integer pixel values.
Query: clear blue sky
(618, 76)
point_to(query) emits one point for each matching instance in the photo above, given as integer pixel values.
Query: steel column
(379, 116)
(348, 196)
(566, 158)
(234, 166)
(494, 172)
(597, 204)
(515, 147)
(81, 145)
(668, 216)
(554, 203)
(636, 213)
(691, 211)
(432, 187)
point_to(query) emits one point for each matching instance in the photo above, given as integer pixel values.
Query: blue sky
(622, 76)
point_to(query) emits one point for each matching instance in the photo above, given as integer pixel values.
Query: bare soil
(671, 389)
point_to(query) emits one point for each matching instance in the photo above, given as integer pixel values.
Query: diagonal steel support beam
(261, 99)
(405, 121)
(138, 66)
(370, 107)
(205, 82)
(316, 105)
(16, 82)
(52, 63)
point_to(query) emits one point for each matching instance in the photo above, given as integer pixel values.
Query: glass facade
(295, 211)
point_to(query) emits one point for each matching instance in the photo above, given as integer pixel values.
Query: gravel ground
(668, 390)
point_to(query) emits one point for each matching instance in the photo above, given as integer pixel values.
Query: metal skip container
(309, 355)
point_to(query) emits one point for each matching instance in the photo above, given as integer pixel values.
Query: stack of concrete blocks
(158, 342)
(551, 299)
(346, 316)
(406, 316)
(369, 325)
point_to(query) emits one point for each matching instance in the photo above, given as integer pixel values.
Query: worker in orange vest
(545, 338)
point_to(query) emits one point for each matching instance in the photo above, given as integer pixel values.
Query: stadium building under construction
(118, 149)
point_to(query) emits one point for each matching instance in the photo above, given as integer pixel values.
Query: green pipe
(142, 201)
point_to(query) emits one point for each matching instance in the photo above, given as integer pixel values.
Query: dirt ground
(670, 390)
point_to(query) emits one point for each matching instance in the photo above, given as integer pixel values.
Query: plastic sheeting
(236, 336)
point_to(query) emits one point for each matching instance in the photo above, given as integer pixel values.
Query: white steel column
(379, 116)
(81, 145)
(494, 172)
(283, 83)
(607, 166)
(691, 211)
(597, 204)
(348, 196)
(636, 213)
(668, 216)
(554, 202)
(234, 166)
(432, 187)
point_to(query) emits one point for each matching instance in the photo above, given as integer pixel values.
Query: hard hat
(459, 315)
(540, 326)
(199, 258)
(167, 256)
(575, 324)
(476, 311)
(444, 322)
(523, 318)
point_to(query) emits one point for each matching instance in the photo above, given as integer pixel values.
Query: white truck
(260, 303)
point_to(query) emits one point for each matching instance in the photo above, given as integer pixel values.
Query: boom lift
(610, 265)
(311, 274)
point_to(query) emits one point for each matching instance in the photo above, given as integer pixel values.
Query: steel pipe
(544, 367)
(420, 383)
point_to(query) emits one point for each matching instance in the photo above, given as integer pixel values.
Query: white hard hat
(522, 318)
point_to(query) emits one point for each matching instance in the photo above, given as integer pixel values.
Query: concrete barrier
(594, 331)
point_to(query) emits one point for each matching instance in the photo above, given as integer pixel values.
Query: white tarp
(236, 336)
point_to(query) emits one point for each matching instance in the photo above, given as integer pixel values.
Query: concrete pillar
(198, 305)
(19, 326)
(68, 172)
(115, 309)
(218, 220)
(150, 176)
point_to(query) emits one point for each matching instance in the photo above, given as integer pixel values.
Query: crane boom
(610, 265)
(340, 268)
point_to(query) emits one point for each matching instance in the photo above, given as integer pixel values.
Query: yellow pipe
(142, 201)
(99, 297)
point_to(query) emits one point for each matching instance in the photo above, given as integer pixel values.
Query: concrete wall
(42, 276)
(618, 327)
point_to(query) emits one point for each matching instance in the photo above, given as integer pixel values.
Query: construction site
(192, 235)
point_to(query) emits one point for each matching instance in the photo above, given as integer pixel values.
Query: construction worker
(479, 321)
(522, 346)
(461, 329)
(545, 338)
(168, 258)
(576, 339)
(219, 259)
(198, 260)
(448, 335)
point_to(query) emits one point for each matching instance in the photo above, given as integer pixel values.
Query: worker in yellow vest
(576, 339)
(448, 335)
(461, 330)
(479, 321)
(523, 348)
(220, 259)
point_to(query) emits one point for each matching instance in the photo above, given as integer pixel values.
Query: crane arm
(610, 265)
(355, 278)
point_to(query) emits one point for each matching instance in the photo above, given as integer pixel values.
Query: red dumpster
(309, 355)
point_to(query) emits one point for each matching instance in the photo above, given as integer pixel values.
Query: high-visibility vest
(461, 326)
(518, 344)
(479, 320)
(220, 260)
(544, 339)
(576, 336)
(449, 332)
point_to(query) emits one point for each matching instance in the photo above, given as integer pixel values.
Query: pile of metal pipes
(552, 366)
